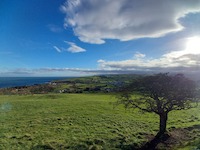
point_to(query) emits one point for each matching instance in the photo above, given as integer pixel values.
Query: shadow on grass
(151, 145)
(98, 144)
(42, 147)
(174, 137)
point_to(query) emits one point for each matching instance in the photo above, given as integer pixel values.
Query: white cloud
(57, 49)
(139, 55)
(172, 61)
(74, 48)
(93, 21)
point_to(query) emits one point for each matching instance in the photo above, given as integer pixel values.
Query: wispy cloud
(124, 19)
(57, 49)
(83, 72)
(74, 48)
(139, 55)
(46, 72)
(54, 28)
(16, 72)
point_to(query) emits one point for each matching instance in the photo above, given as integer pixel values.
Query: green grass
(80, 121)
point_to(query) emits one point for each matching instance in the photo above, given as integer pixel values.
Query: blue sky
(86, 37)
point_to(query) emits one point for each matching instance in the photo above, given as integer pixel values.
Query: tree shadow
(121, 143)
(152, 144)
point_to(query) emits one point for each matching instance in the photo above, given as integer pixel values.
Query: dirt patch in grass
(176, 138)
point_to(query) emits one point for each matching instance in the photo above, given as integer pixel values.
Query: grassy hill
(91, 84)
(87, 121)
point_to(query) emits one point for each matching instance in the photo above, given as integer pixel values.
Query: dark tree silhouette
(159, 94)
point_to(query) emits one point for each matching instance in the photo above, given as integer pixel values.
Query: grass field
(86, 121)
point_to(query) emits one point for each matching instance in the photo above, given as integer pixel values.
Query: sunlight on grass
(74, 121)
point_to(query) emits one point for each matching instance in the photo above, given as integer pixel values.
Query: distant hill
(91, 84)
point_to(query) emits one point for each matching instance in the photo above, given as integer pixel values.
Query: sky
(89, 37)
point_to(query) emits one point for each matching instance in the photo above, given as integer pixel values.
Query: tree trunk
(161, 135)
(163, 124)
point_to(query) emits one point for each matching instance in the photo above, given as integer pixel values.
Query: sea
(6, 82)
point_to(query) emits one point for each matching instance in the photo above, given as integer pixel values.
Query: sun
(193, 45)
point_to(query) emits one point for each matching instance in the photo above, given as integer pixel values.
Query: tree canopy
(160, 94)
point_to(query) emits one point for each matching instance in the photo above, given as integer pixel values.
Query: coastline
(12, 82)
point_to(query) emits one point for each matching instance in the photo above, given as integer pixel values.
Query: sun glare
(193, 45)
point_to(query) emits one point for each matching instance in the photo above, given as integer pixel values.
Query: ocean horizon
(7, 82)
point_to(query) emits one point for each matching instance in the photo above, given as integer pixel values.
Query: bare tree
(159, 94)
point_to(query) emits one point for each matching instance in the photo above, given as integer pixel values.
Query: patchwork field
(87, 121)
